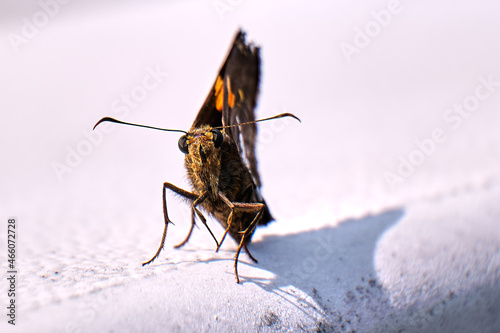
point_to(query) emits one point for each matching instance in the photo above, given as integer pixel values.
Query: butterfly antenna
(112, 120)
(281, 115)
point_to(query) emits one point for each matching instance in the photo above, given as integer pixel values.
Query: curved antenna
(113, 120)
(281, 115)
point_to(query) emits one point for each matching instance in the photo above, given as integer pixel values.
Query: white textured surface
(347, 252)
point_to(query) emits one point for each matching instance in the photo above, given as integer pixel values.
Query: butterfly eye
(183, 146)
(218, 138)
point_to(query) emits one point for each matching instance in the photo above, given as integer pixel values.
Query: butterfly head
(201, 143)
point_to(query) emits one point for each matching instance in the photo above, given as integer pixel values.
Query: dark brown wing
(232, 100)
(233, 97)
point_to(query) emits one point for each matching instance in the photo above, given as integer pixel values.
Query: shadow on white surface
(335, 267)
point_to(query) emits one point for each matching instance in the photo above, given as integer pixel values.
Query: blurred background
(368, 80)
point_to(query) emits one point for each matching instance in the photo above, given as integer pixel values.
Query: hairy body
(223, 176)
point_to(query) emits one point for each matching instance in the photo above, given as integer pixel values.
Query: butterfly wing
(232, 100)
(233, 97)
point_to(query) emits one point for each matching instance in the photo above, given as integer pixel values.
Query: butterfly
(220, 154)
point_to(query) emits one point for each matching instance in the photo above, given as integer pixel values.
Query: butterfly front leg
(195, 210)
(184, 193)
(197, 199)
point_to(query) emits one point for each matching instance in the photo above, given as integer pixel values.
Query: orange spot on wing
(219, 94)
(230, 99)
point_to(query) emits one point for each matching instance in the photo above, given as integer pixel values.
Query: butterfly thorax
(212, 168)
(203, 160)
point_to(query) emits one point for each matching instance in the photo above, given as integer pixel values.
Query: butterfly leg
(184, 193)
(229, 222)
(247, 232)
(257, 208)
(249, 254)
(189, 233)
(229, 219)
(195, 210)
